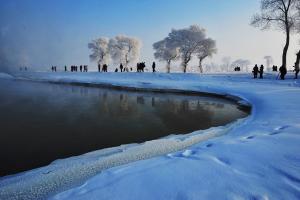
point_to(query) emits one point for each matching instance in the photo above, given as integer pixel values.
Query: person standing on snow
(121, 67)
(153, 67)
(261, 71)
(283, 72)
(255, 71)
(296, 69)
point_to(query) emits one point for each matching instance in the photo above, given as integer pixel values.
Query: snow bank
(62, 174)
(257, 158)
(5, 75)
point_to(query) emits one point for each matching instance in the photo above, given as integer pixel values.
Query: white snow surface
(5, 76)
(253, 158)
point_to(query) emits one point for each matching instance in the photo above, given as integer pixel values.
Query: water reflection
(43, 122)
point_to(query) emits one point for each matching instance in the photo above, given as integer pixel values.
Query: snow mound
(5, 76)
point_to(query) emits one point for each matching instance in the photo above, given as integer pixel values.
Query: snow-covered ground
(254, 158)
(5, 76)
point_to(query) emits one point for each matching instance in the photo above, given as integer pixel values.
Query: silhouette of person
(261, 71)
(283, 72)
(65, 68)
(116, 70)
(99, 67)
(297, 65)
(121, 67)
(142, 66)
(80, 68)
(25, 68)
(296, 69)
(255, 71)
(153, 67)
(104, 68)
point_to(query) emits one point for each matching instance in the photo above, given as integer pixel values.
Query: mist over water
(43, 122)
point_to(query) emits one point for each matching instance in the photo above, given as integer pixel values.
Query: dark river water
(41, 122)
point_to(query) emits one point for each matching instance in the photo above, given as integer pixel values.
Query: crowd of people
(257, 71)
(74, 68)
(282, 69)
(23, 68)
(237, 69)
(140, 67)
(84, 68)
(281, 74)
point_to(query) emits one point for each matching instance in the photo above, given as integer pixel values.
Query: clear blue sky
(56, 32)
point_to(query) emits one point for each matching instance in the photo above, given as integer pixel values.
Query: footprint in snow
(250, 137)
(274, 133)
(209, 145)
(279, 128)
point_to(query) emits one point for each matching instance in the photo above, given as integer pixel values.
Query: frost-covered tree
(188, 40)
(269, 61)
(297, 16)
(206, 49)
(124, 49)
(100, 51)
(226, 63)
(280, 14)
(165, 53)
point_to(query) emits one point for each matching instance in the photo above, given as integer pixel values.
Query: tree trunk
(184, 67)
(168, 66)
(126, 60)
(298, 58)
(200, 66)
(186, 60)
(287, 43)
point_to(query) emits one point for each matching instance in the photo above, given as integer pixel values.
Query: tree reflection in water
(50, 121)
